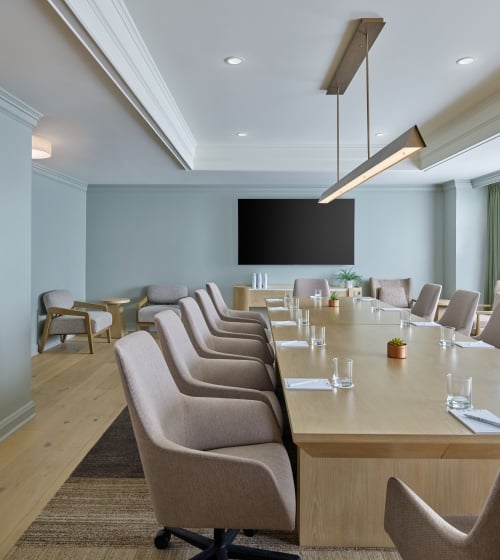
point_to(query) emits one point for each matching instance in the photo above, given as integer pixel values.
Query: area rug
(103, 512)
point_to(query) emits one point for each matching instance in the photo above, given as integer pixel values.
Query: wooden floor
(77, 396)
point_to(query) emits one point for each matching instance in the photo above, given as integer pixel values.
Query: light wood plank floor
(77, 396)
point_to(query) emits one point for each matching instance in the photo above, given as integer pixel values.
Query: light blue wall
(58, 242)
(138, 236)
(16, 124)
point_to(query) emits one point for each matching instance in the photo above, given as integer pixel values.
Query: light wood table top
(397, 403)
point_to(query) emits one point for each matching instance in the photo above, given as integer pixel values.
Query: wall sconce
(41, 148)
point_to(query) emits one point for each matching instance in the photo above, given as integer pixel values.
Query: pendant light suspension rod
(368, 135)
(338, 135)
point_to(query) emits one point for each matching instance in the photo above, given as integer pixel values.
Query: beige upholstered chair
(158, 298)
(208, 462)
(228, 314)
(483, 314)
(491, 332)
(397, 292)
(67, 316)
(212, 377)
(220, 327)
(461, 311)
(212, 346)
(303, 287)
(427, 301)
(419, 533)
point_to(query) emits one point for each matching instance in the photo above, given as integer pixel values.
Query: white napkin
(277, 308)
(274, 299)
(305, 384)
(283, 323)
(424, 324)
(292, 343)
(473, 344)
(390, 309)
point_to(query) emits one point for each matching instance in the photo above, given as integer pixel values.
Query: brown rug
(103, 512)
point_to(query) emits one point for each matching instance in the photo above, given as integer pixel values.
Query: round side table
(115, 308)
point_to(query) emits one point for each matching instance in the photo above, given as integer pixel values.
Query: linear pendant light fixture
(403, 147)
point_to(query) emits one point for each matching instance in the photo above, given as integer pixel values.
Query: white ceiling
(169, 54)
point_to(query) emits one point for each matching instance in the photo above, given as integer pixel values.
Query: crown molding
(59, 177)
(476, 126)
(486, 180)
(108, 32)
(309, 158)
(17, 109)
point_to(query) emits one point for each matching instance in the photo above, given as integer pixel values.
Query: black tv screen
(295, 231)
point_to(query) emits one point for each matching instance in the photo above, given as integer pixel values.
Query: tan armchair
(208, 462)
(484, 311)
(67, 316)
(419, 533)
(461, 311)
(158, 298)
(303, 287)
(397, 291)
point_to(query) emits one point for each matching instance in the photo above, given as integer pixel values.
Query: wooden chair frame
(57, 311)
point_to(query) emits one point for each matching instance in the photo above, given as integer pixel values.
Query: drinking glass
(458, 391)
(317, 335)
(342, 373)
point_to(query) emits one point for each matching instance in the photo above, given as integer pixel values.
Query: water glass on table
(447, 336)
(317, 335)
(342, 373)
(458, 391)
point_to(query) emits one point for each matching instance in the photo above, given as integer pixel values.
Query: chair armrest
(88, 305)
(66, 311)
(236, 373)
(484, 305)
(142, 302)
(414, 525)
(232, 422)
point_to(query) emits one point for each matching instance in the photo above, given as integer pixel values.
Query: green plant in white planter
(349, 277)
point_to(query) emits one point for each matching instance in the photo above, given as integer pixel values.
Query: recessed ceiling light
(233, 60)
(379, 134)
(465, 60)
(242, 134)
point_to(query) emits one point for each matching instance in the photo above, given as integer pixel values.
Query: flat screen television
(295, 231)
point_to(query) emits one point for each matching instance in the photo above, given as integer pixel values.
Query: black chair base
(221, 547)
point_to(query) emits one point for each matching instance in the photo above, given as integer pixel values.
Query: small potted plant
(334, 300)
(349, 277)
(396, 348)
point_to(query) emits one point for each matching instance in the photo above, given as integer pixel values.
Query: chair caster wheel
(162, 538)
(249, 532)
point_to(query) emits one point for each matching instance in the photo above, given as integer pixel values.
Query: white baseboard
(17, 419)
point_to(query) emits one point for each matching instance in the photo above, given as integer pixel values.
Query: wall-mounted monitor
(295, 231)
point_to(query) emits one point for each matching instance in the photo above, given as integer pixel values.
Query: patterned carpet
(103, 512)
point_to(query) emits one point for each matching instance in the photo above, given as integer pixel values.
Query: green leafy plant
(396, 341)
(348, 275)
(334, 296)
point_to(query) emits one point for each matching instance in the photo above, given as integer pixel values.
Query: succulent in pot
(334, 300)
(396, 348)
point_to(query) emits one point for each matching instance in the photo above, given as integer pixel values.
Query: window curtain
(493, 263)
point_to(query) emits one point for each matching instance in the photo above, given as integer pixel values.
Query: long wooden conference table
(393, 422)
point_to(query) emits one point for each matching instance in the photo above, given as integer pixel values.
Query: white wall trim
(59, 177)
(17, 419)
(477, 125)
(108, 32)
(486, 180)
(254, 191)
(19, 110)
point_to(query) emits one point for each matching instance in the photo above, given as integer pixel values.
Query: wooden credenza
(245, 297)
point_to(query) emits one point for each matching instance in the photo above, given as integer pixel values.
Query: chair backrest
(207, 307)
(166, 294)
(217, 298)
(180, 354)
(461, 311)
(491, 332)
(397, 291)
(195, 324)
(58, 298)
(426, 304)
(303, 287)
